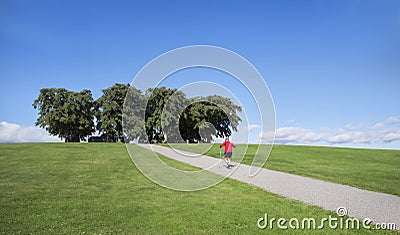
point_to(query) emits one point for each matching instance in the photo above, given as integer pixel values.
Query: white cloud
(266, 137)
(245, 133)
(324, 128)
(293, 135)
(367, 139)
(379, 125)
(10, 133)
(346, 137)
(352, 127)
(392, 136)
(349, 135)
(389, 121)
(392, 120)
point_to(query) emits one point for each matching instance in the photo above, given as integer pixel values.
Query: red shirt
(228, 146)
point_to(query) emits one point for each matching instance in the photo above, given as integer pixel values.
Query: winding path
(379, 207)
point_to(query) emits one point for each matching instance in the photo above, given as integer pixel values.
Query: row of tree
(124, 113)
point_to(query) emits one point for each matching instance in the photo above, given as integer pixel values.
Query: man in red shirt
(228, 151)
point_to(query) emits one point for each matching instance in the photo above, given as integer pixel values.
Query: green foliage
(123, 113)
(212, 115)
(109, 112)
(159, 117)
(171, 117)
(133, 115)
(65, 113)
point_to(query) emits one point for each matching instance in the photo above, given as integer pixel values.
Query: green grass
(95, 188)
(376, 170)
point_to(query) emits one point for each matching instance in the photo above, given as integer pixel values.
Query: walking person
(228, 151)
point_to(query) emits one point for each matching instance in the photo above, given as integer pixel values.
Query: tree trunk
(72, 138)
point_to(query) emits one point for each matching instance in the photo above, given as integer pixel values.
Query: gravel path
(379, 207)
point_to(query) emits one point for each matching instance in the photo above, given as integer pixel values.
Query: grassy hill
(59, 188)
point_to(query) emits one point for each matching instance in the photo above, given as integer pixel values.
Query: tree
(124, 114)
(171, 117)
(109, 112)
(133, 116)
(159, 115)
(172, 109)
(209, 116)
(65, 113)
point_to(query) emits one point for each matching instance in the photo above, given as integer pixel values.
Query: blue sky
(333, 67)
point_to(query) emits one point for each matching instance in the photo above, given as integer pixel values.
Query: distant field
(376, 170)
(95, 188)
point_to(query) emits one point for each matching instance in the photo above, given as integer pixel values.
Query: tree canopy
(133, 115)
(211, 115)
(161, 113)
(109, 112)
(171, 117)
(124, 113)
(65, 113)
